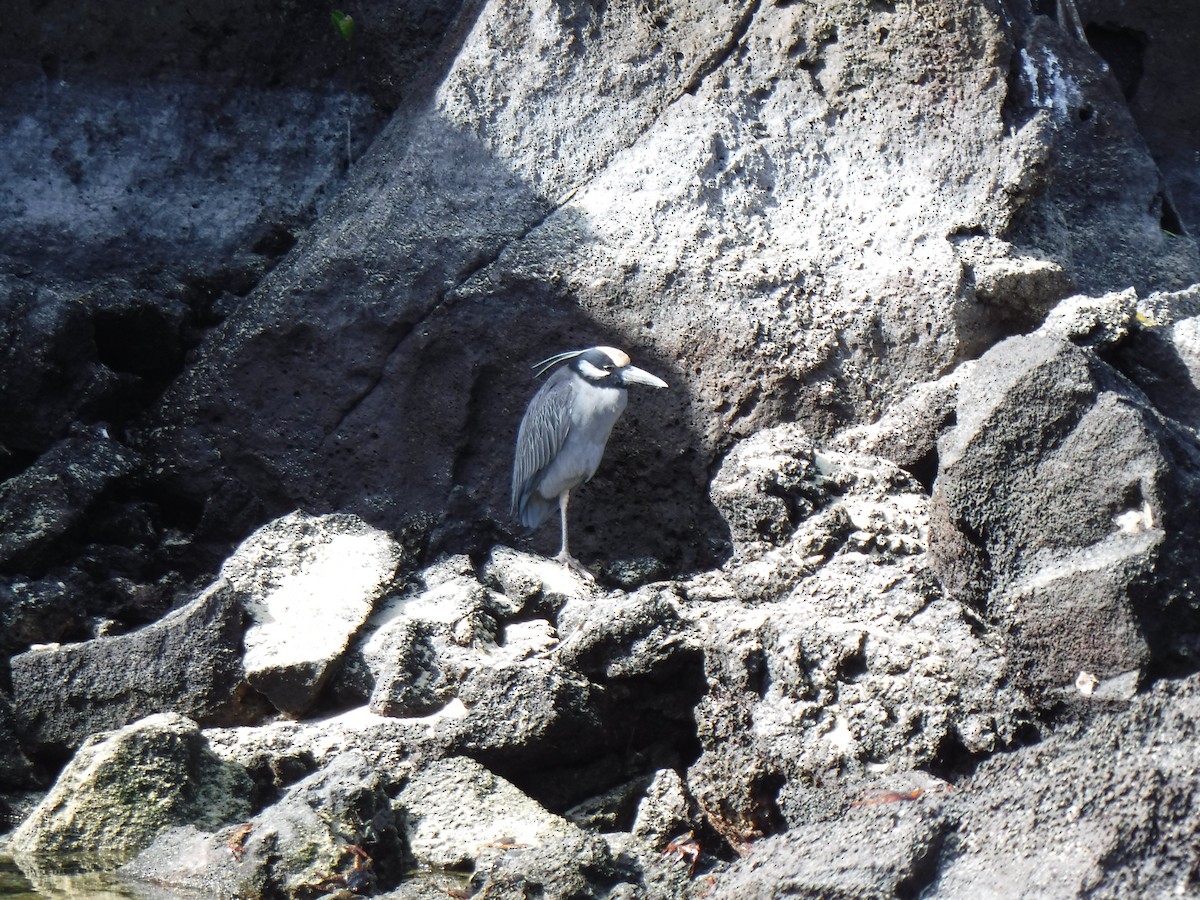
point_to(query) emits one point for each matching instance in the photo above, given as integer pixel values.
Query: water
(17, 885)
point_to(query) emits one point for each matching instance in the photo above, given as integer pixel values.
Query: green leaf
(342, 24)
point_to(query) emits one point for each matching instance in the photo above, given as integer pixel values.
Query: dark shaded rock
(190, 663)
(15, 769)
(1162, 354)
(1064, 508)
(871, 853)
(533, 713)
(1094, 199)
(1148, 53)
(123, 788)
(43, 505)
(48, 367)
(332, 831)
(39, 611)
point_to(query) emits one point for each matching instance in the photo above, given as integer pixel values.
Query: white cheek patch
(619, 357)
(589, 371)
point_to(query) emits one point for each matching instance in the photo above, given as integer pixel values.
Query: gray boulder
(1064, 511)
(532, 713)
(456, 813)
(1102, 809)
(454, 810)
(123, 788)
(189, 662)
(332, 831)
(307, 585)
(874, 852)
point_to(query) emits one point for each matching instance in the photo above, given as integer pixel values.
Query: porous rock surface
(125, 787)
(1065, 509)
(897, 588)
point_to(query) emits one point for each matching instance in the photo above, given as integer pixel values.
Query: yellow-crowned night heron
(565, 429)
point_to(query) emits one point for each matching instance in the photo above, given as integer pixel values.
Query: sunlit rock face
(921, 493)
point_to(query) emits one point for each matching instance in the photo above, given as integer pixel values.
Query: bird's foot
(574, 565)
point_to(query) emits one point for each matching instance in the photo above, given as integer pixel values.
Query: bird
(564, 432)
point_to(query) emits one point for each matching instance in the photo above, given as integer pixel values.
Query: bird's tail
(533, 509)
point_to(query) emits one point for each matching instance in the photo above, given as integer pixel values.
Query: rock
(296, 571)
(279, 753)
(42, 506)
(531, 712)
(48, 365)
(334, 830)
(39, 611)
(420, 643)
(16, 771)
(665, 811)
(791, 506)
(1162, 355)
(1061, 510)
(532, 582)
(1103, 809)
(1063, 99)
(189, 662)
(622, 636)
(572, 864)
(1098, 322)
(455, 810)
(1145, 48)
(907, 432)
(855, 660)
(123, 788)
(874, 852)
(415, 682)
(457, 814)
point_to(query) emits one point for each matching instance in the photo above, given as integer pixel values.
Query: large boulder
(795, 211)
(1064, 511)
(1104, 809)
(123, 788)
(189, 662)
(872, 852)
(334, 830)
(457, 814)
(307, 585)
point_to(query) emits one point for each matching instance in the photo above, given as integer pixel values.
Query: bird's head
(604, 366)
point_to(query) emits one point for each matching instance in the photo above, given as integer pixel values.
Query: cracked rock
(1063, 510)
